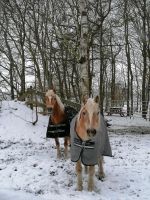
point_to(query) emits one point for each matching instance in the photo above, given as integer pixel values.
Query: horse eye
(98, 113)
(46, 99)
(84, 113)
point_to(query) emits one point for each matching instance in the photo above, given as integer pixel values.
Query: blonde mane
(52, 93)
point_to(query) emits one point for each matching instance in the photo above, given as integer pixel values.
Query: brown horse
(89, 141)
(57, 117)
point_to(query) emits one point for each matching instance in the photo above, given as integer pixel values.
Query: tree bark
(128, 56)
(84, 65)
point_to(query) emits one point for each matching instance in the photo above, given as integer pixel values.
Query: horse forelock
(92, 106)
(50, 93)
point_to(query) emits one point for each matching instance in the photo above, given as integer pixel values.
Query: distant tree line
(41, 38)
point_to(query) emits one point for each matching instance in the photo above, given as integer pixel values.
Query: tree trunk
(144, 52)
(11, 82)
(128, 56)
(101, 87)
(84, 65)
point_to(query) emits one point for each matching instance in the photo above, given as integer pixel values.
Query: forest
(102, 45)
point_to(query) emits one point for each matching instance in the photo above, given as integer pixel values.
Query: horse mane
(62, 107)
(52, 93)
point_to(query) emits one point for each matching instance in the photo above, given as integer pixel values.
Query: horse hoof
(59, 156)
(101, 177)
(80, 189)
(66, 157)
(90, 189)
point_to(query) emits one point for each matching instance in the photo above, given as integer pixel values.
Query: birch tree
(84, 50)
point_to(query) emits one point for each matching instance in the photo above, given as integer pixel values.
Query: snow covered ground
(29, 169)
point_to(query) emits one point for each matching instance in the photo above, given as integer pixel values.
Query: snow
(134, 124)
(29, 169)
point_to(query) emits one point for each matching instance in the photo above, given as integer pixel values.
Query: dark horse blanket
(62, 129)
(89, 151)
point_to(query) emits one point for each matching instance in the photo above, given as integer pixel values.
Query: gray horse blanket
(90, 151)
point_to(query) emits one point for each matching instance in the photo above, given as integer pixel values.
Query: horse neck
(58, 114)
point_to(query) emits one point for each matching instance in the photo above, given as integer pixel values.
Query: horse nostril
(91, 131)
(94, 131)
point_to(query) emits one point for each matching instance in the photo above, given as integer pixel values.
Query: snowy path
(29, 168)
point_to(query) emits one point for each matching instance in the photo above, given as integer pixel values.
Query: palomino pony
(89, 141)
(58, 116)
(58, 120)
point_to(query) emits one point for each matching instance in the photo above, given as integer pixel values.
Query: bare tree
(84, 49)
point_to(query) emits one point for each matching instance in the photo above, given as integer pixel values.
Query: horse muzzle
(91, 132)
(49, 110)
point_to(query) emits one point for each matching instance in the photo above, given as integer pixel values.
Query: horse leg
(101, 173)
(69, 141)
(91, 178)
(58, 147)
(86, 169)
(79, 175)
(66, 146)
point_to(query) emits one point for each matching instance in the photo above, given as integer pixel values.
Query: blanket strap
(84, 144)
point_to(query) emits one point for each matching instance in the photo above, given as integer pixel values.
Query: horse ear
(96, 99)
(84, 99)
(54, 90)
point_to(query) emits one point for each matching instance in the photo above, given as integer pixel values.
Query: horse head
(52, 100)
(88, 119)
